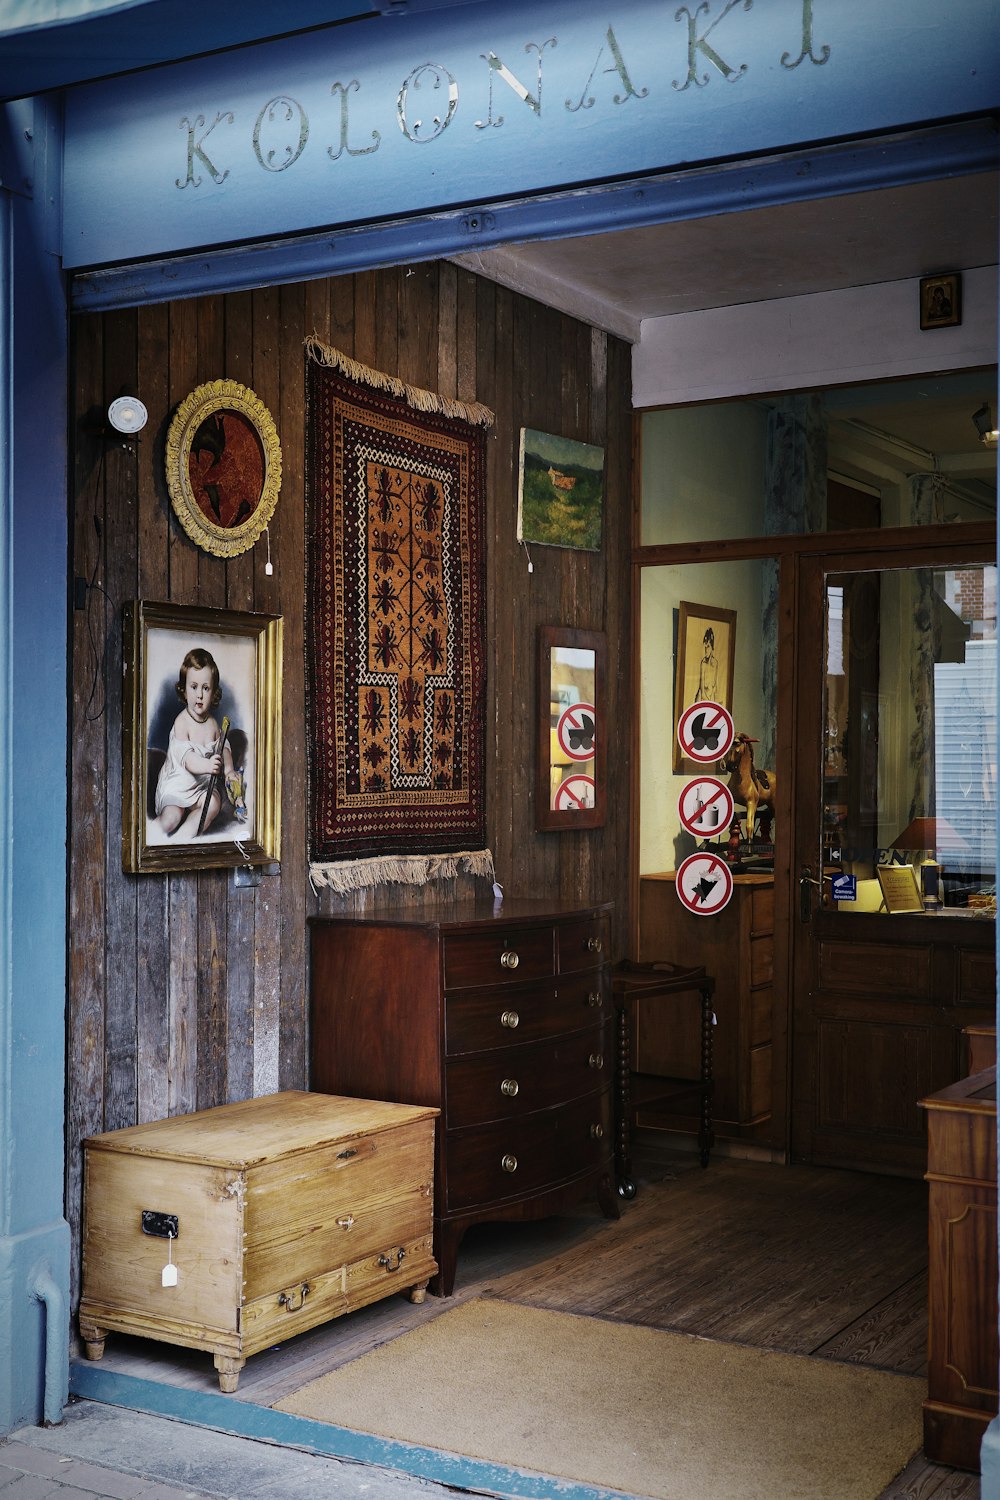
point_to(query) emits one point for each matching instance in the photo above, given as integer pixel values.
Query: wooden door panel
(872, 1075)
(874, 969)
(977, 977)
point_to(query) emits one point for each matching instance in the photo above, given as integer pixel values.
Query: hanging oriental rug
(395, 650)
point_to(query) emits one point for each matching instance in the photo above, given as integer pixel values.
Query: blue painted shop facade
(387, 131)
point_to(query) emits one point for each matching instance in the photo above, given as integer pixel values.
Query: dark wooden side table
(644, 984)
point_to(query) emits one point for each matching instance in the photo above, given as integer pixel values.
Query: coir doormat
(656, 1414)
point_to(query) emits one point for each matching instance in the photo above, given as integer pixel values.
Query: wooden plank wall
(184, 991)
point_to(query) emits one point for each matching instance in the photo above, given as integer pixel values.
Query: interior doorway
(827, 551)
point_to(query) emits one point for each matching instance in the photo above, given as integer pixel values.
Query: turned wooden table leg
(229, 1367)
(418, 1294)
(706, 1134)
(93, 1340)
(623, 1105)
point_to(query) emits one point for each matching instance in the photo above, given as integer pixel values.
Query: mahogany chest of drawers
(500, 1019)
(271, 1216)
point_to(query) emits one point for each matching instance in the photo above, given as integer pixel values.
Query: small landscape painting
(560, 498)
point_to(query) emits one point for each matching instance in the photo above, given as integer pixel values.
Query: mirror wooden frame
(549, 819)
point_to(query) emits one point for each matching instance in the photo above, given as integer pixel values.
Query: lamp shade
(930, 833)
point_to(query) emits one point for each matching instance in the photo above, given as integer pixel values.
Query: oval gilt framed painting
(223, 463)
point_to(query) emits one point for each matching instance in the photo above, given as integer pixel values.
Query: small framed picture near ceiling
(560, 492)
(941, 301)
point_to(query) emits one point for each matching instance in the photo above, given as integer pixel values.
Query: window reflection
(910, 739)
(898, 453)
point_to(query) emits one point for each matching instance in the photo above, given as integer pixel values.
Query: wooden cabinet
(962, 1352)
(275, 1214)
(499, 1018)
(879, 1026)
(736, 947)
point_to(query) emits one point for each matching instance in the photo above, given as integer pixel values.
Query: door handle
(806, 880)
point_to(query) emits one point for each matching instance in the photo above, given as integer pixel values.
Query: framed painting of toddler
(201, 723)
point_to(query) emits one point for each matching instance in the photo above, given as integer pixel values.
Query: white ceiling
(617, 280)
(757, 254)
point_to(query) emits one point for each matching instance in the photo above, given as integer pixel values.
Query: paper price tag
(168, 1276)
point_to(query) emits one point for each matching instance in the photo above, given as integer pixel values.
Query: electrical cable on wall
(93, 588)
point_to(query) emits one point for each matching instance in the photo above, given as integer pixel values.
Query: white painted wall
(702, 468)
(727, 585)
(803, 343)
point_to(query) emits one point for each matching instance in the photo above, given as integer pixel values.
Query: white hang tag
(168, 1276)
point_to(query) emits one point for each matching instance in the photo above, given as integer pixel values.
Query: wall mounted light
(984, 424)
(127, 414)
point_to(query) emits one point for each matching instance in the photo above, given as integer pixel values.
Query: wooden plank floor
(805, 1260)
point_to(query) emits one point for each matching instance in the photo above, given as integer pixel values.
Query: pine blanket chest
(236, 1227)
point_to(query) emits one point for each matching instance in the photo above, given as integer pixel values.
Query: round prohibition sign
(705, 806)
(574, 793)
(704, 884)
(705, 732)
(576, 731)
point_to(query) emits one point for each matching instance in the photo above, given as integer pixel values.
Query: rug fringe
(468, 411)
(344, 876)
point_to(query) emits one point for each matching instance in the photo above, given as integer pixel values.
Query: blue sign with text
(845, 888)
(378, 118)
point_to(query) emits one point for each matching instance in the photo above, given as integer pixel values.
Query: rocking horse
(751, 788)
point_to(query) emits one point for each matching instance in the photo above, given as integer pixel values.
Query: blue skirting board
(226, 1413)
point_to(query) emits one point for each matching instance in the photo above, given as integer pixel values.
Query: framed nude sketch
(201, 721)
(706, 652)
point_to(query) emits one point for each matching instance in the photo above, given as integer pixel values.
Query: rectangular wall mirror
(570, 788)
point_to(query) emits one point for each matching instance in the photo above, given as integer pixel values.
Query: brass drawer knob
(594, 945)
(509, 1162)
(510, 1019)
(509, 1087)
(509, 959)
(594, 999)
(595, 1060)
(597, 1132)
(346, 1221)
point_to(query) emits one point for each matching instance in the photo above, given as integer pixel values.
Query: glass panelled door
(895, 845)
